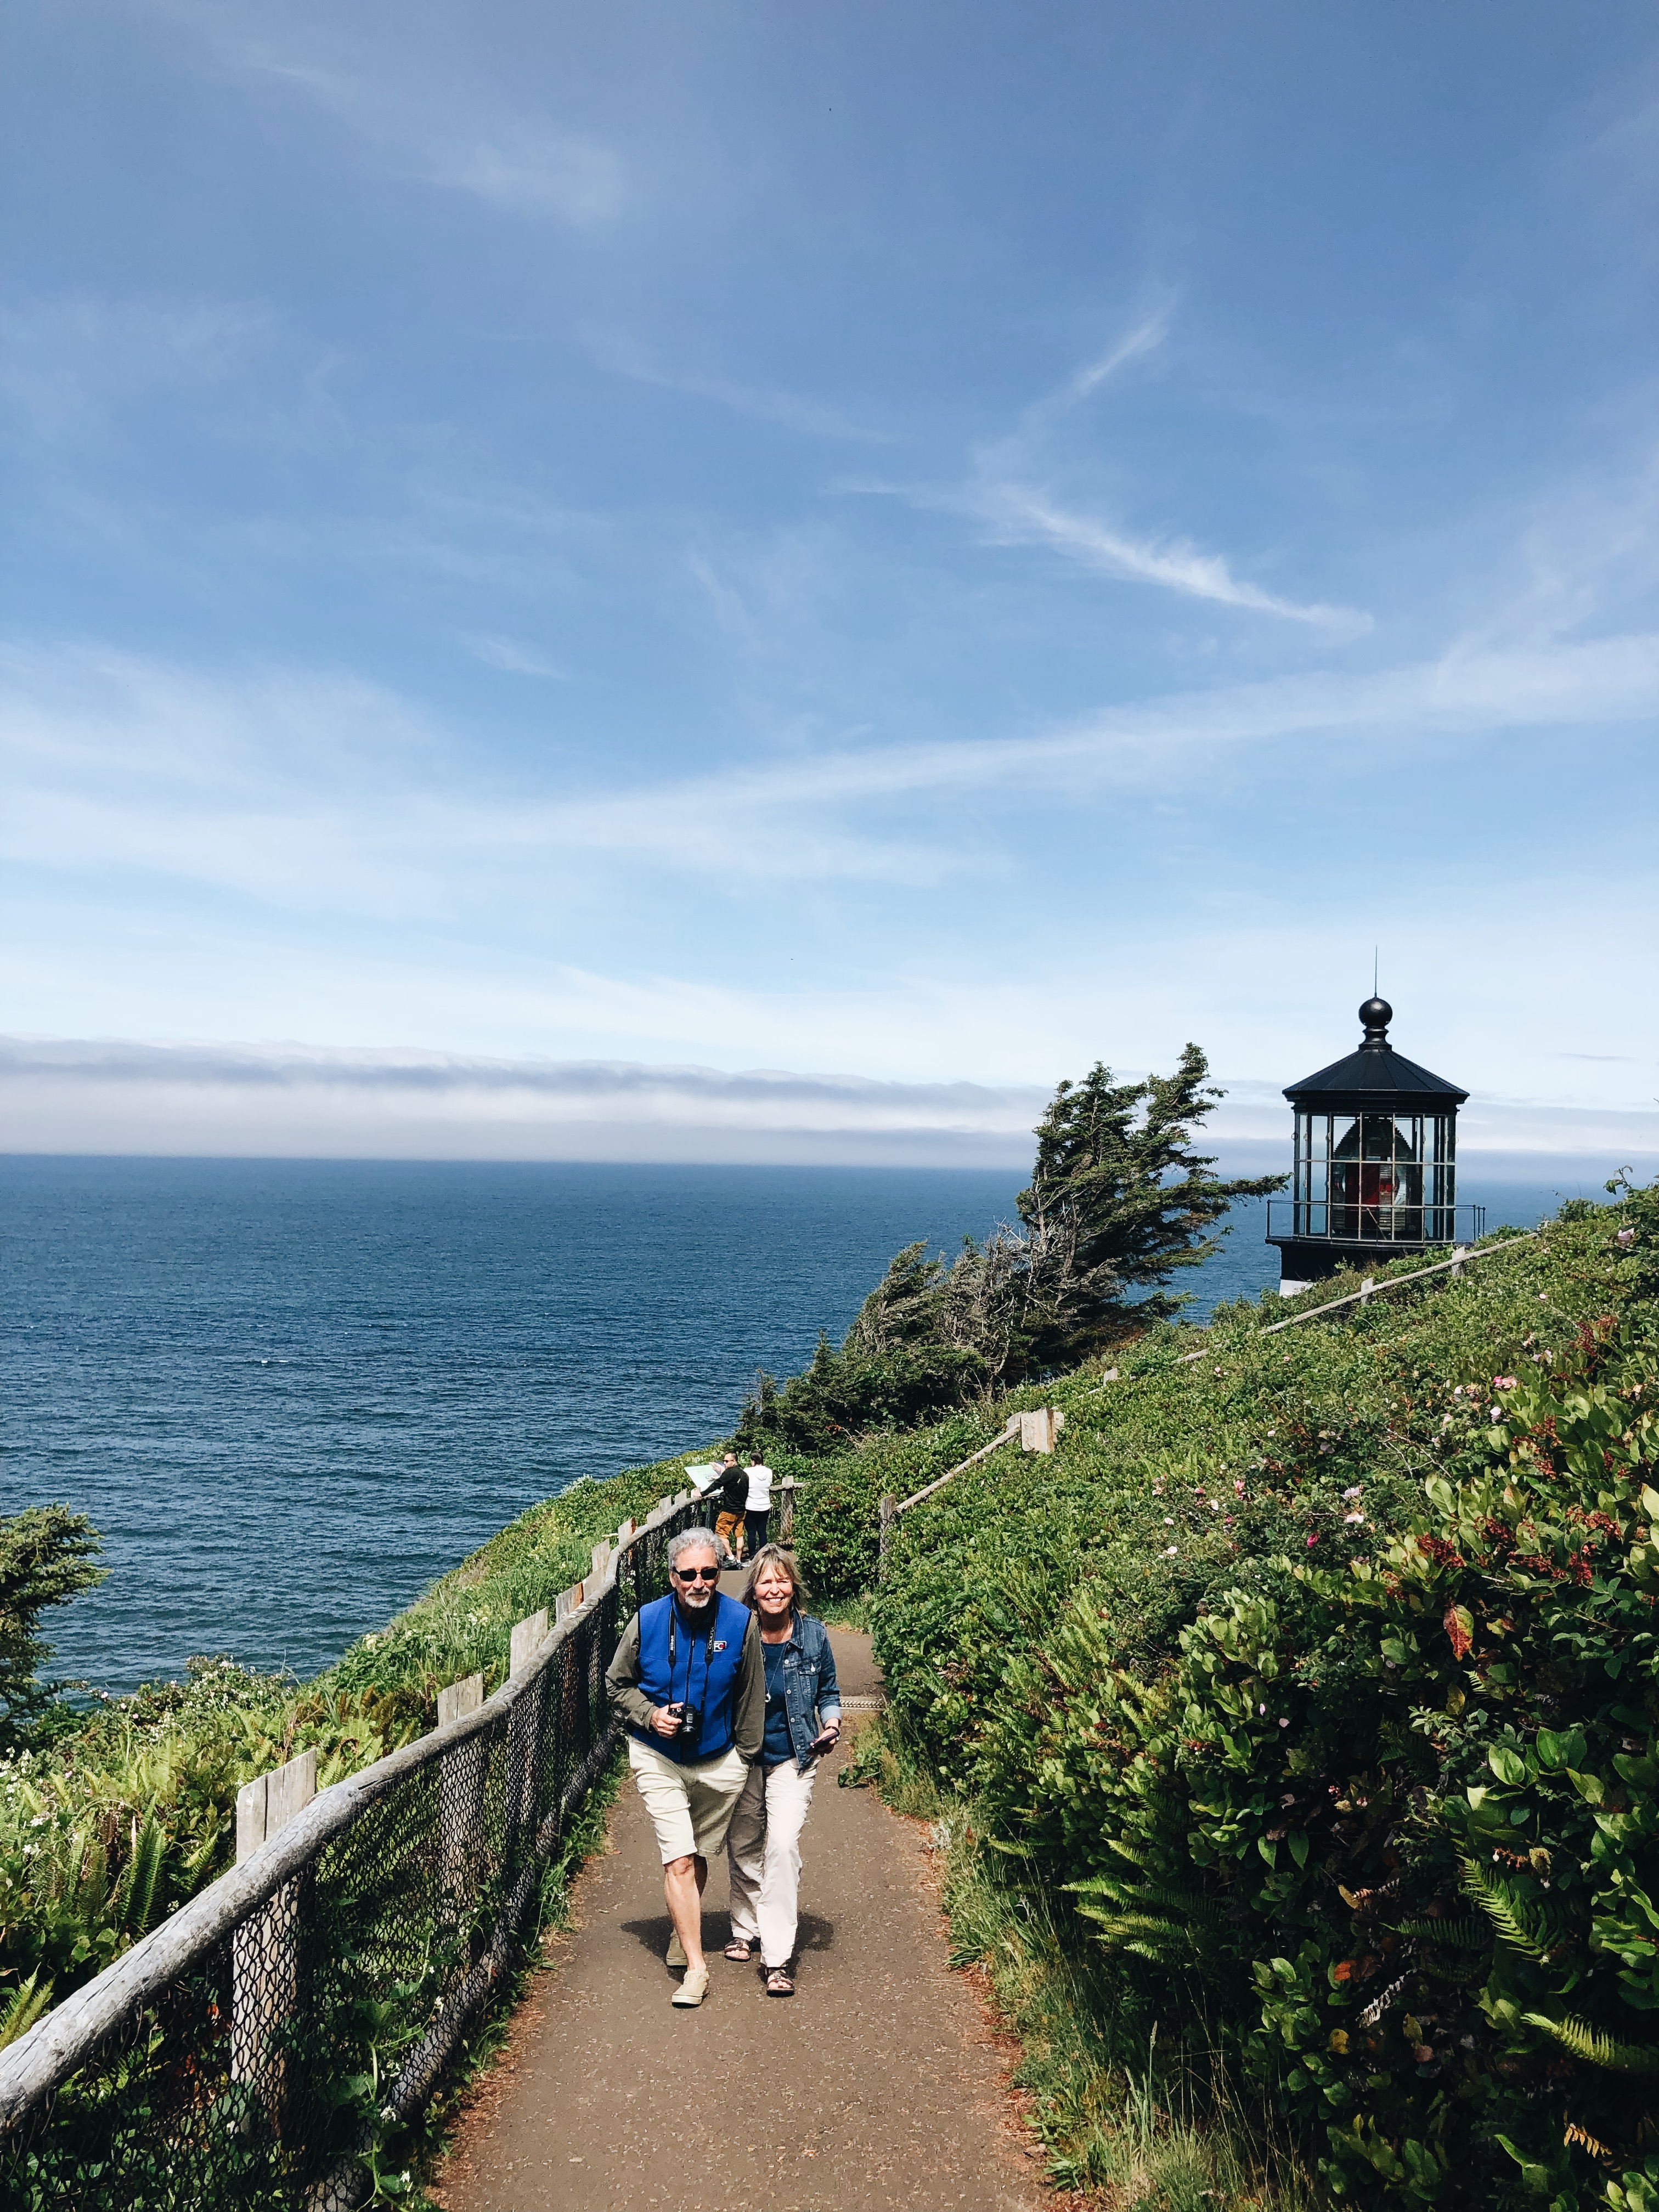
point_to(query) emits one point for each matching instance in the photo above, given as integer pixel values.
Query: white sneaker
(676, 1951)
(693, 1989)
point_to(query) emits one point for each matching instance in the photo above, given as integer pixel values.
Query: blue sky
(920, 545)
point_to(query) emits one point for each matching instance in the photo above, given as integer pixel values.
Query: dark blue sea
(291, 1393)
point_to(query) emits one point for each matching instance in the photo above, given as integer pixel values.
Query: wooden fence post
(1038, 1430)
(460, 1798)
(787, 1510)
(460, 1699)
(525, 1641)
(524, 1726)
(264, 1952)
(889, 1510)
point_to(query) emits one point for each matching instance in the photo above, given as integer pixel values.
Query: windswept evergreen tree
(46, 1555)
(1118, 1200)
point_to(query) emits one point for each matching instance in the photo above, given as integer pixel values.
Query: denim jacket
(810, 1695)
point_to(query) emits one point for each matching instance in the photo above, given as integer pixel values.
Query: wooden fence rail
(452, 1832)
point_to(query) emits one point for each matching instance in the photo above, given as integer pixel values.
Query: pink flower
(1626, 1237)
(1312, 1540)
(1503, 1382)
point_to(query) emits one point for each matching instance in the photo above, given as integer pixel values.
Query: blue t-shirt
(777, 1746)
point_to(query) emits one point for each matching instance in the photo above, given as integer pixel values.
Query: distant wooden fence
(1037, 1431)
(1040, 1431)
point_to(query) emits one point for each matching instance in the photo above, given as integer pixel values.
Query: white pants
(762, 1847)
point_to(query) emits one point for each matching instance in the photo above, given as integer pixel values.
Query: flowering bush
(1380, 1810)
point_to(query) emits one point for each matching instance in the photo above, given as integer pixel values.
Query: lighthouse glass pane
(1376, 1179)
(1313, 1149)
(1442, 1182)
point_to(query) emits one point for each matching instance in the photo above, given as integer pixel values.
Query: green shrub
(1254, 1679)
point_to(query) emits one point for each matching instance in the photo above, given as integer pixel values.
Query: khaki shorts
(690, 1807)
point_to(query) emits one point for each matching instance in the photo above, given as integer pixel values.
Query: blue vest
(705, 1673)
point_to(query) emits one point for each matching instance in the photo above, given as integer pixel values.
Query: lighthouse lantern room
(1374, 1172)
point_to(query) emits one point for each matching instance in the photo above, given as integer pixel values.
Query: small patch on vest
(719, 1643)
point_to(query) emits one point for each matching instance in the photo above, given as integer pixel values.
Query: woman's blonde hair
(777, 1555)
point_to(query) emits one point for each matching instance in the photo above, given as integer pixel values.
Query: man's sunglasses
(696, 1574)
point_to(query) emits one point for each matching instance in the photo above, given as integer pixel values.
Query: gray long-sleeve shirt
(622, 1686)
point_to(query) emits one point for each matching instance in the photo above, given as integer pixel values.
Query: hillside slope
(1308, 1693)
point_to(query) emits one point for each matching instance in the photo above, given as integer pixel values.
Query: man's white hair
(692, 1539)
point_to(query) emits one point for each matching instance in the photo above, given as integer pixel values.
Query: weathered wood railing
(1036, 1432)
(259, 2046)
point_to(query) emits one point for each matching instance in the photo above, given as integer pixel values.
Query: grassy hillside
(1301, 1717)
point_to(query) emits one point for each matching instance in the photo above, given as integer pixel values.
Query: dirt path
(876, 2088)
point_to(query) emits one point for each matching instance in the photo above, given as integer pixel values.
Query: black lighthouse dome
(1375, 1071)
(1375, 1173)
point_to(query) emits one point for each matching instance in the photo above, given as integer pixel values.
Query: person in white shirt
(757, 1513)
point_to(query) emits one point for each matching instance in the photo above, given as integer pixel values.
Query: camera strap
(692, 1655)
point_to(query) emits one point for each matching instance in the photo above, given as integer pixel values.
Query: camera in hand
(687, 1721)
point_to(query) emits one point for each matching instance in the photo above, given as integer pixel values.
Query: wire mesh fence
(258, 2052)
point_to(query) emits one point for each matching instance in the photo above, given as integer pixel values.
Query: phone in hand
(820, 1744)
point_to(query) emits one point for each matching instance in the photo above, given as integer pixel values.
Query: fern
(1468, 1933)
(135, 1896)
(1520, 1924)
(1143, 1933)
(1189, 1906)
(1595, 2048)
(29, 2001)
(1151, 1934)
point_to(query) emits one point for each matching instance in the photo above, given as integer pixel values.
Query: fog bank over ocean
(296, 1101)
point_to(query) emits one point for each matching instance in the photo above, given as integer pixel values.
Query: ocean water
(291, 1393)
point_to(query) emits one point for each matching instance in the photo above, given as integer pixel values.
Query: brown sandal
(740, 1950)
(778, 1983)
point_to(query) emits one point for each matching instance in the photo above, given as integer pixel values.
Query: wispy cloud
(532, 173)
(1138, 343)
(1017, 515)
(515, 659)
(1005, 489)
(283, 784)
(68, 363)
(523, 169)
(792, 410)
